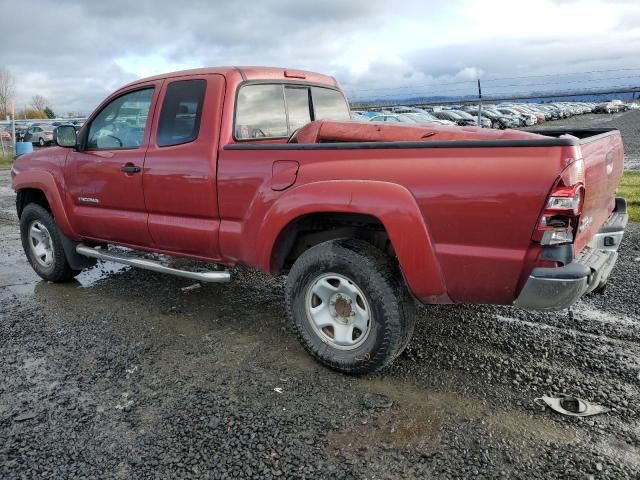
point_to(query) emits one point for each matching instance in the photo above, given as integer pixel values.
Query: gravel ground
(123, 375)
(628, 123)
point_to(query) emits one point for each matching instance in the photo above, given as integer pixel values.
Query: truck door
(104, 179)
(180, 166)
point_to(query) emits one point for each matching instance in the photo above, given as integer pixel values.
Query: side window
(297, 106)
(181, 112)
(121, 124)
(260, 112)
(329, 104)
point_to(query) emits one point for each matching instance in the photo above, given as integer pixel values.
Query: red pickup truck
(262, 166)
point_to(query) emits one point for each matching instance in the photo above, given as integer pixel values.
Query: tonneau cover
(324, 131)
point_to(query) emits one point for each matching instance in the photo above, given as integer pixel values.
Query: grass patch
(630, 189)
(5, 161)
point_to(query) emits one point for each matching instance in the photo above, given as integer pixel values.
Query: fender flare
(392, 204)
(46, 183)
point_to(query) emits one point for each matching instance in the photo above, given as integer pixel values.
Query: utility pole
(2, 141)
(479, 104)
(13, 125)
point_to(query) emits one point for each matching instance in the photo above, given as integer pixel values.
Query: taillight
(561, 215)
(47, 132)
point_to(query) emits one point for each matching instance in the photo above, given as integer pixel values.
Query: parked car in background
(453, 117)
(426, 117)
(5, 135)
(514, 118)
(497, 120)
(365, 114)
(485, 122)
(421, 115)
(39, 135)
(405, 109)
(421, 118)
(550, 113)
(528, 110)
(525, 120)
(359, 117)
(21, 131)
(392, 117)
(529, 118)
(604, 107)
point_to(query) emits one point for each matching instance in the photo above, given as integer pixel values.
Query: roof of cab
(249, 73)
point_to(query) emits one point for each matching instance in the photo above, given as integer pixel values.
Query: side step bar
(211, 277)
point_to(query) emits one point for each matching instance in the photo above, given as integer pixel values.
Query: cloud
(76, 52)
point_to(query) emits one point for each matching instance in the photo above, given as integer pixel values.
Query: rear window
(298, 107)
(277, 110)
(329, 104)
(181, 112)
(260, 112)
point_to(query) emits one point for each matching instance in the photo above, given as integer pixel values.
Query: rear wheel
(41, 142)
(42, 244)
(349, 306)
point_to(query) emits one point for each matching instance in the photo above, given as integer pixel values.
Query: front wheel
(349, 306)
(42, 244)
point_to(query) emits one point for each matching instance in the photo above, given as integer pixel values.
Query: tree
(49, 113)
(38, 102)
(31, 114)
(7, 87)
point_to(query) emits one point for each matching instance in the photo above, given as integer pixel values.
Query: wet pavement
(122, 374)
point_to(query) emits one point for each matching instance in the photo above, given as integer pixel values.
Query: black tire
(41, 142)
(58, 270)
(377, 276)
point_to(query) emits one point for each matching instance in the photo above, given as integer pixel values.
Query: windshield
(404, 118)
(422, 117)
(463, 115)
(451, 114)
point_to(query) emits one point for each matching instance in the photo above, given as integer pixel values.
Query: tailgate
(603, 157)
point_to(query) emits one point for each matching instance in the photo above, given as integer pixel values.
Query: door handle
(130, 169)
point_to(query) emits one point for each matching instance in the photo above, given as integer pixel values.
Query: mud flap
(75, 260)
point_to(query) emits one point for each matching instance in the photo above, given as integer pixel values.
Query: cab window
(329, 104)
(121, 124)
(260, 112)
(277, 110)
(298, 107)
(181, 112)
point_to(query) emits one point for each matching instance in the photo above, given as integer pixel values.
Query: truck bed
(481, 192)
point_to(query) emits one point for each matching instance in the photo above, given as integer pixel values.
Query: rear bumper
(559, 288)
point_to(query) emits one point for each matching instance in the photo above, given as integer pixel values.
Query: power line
(497, 98)
(565, 82)
(584, 91)
(496, 79)
(442, 92)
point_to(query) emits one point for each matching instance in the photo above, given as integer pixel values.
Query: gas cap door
(283, 174)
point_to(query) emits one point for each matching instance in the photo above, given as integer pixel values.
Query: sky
(75, 52)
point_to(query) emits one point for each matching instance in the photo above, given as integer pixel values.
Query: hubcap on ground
(40, 243)
(338, 311)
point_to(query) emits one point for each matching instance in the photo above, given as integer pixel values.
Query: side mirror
(65, 136)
